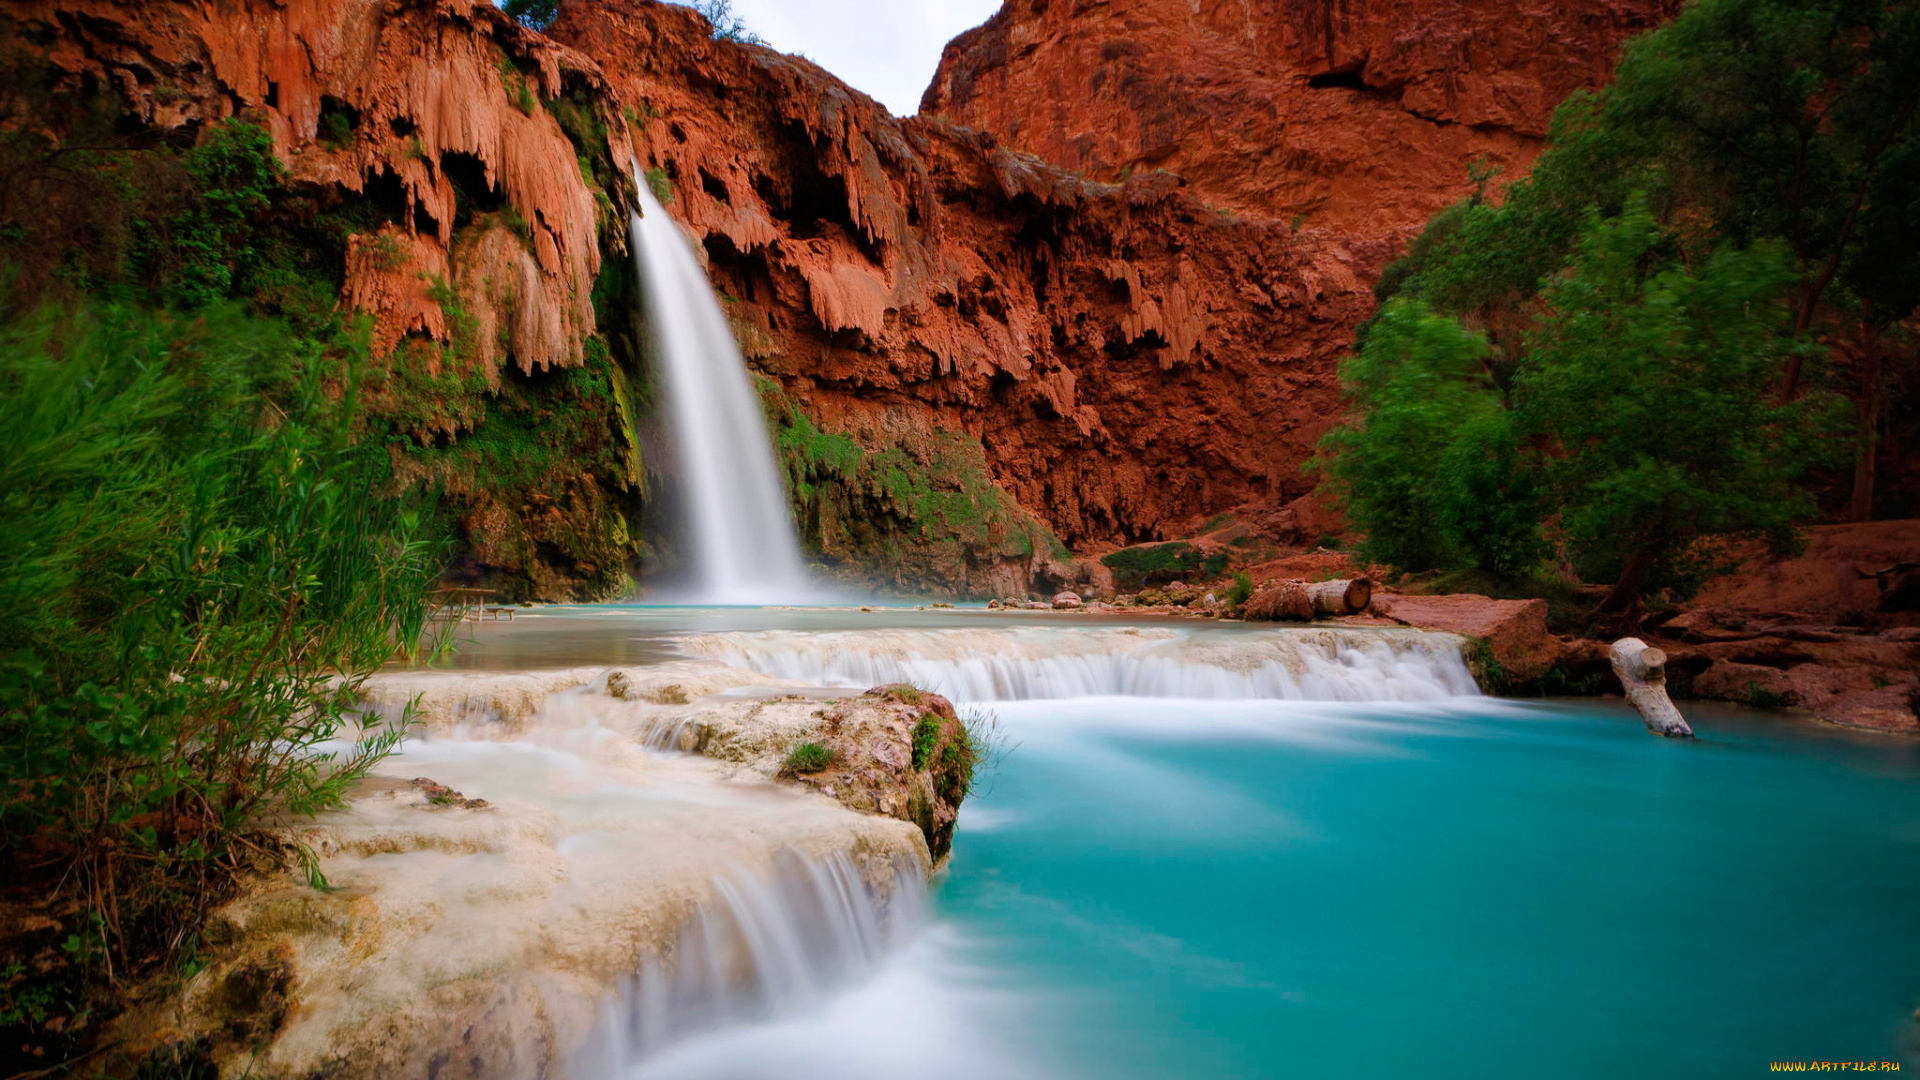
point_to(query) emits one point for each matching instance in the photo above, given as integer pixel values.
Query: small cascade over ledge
(1033, 663)
(738, 537)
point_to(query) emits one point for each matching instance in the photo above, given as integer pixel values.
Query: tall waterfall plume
(738, 537)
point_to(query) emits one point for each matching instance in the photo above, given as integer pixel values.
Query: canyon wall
(452, 172)
(1130, 358)
(1095, 295)
(1357, 116)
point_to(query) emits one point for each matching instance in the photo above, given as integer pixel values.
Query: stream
(1231, 852)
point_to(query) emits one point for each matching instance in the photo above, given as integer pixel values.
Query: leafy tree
(726, 25)
(1747, 188)
(1647, 379)
(535, 13)
(1419, 376)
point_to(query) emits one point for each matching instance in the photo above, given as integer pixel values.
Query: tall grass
(197, 569)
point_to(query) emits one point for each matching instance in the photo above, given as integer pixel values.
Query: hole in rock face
(338, 122)
(679, 134)
(472, 193)
(273, 94)
(1347, 77)
(713, 187)
(387, 198)
(401, 127)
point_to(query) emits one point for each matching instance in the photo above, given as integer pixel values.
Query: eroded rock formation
(972, 354)
(1359, 116)
(1129, 356)
(455, 154)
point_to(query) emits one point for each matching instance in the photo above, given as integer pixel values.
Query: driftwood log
(1302, 601)
(1643, 672)
(1348, 597)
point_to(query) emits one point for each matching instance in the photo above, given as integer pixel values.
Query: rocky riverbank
(475, 922)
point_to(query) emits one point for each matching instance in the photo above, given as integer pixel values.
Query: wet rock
(1514, 632)
(895, 750)
(1753, 684)
(1067, 601)
(441, 796)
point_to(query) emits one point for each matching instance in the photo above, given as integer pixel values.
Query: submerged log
(1301, 601)
(1643, 672)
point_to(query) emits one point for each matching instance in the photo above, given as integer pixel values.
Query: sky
(885, 48)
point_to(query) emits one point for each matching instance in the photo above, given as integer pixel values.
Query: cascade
(770, 944)
(1029, 663)
(738, 537)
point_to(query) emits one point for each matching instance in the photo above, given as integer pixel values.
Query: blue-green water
(1477, 889)
(1241, 887)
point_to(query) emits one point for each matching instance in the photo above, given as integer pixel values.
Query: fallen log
(1348, 597)
(1642, 670)
(1301, 601)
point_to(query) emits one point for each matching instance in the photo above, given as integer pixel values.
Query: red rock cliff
(1359, 116)
(1130, 357)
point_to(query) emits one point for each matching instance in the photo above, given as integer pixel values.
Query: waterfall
(1029, 663)
(769, 945)
(738, 537)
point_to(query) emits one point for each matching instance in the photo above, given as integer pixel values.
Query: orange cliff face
(428, 129)
(1358, 117)
(425, 90)
(1128, 356)
(1130, 278)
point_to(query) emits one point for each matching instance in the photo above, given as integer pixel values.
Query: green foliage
(535, 13)
(809, 757)
(660, 184)
(1158, 564)
(236, 175)
(1421, 382)
(906, 507)
(1242, 589)
(925, 734)
(1761, 698)
(1486, 667)
(1595, 360)
(906, 692)
(726, 25)
(196, 570)
(1690, 441)
(336, 130)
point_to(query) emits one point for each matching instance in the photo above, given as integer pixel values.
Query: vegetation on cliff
(921, 511)
(1652, 339)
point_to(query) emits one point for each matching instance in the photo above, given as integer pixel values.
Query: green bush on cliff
(197, 566)
(919, 509)
(1159, 564)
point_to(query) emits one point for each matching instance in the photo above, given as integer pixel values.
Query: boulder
(1753, 684)
(1514, 631)
(1067, 601)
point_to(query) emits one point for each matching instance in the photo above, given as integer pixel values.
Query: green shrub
(1242, 589)
(197, 569)
(925, 734)
(1159, 564)
(809, 757)
(660, 184)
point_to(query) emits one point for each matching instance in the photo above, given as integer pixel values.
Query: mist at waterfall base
(1444, 885)
(736, 540)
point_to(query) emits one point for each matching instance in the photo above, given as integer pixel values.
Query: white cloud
(885, 48)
